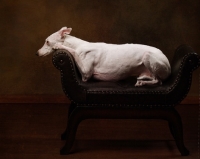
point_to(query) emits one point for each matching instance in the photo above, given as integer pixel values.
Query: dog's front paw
(58, 46)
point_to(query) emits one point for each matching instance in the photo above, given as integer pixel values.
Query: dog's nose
(37, 54)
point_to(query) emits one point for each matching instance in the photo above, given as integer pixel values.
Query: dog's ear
(65, 31)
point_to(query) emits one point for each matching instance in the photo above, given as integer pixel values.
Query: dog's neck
(73, 42)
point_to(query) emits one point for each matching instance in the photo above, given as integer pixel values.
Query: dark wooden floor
(32, 131)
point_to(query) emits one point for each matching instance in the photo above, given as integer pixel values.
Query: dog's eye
(47, 42)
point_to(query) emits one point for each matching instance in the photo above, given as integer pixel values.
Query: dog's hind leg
(148, 76)
(145, 80)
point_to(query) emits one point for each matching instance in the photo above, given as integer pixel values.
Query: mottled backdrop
(25, 24)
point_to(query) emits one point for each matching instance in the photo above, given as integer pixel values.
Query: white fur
(110, 62)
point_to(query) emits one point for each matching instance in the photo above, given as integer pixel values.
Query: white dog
(110, 62)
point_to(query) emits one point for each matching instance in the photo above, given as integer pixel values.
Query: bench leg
(69, 134)
(175, 125)
(78, 114)
(71, 108)
(64, 134)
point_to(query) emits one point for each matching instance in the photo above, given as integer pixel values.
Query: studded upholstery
(124, 93)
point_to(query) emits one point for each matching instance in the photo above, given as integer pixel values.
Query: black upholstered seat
(104, 97)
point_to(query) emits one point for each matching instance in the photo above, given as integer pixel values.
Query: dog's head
(57, 37)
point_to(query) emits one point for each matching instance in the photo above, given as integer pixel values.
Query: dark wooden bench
(122, 100)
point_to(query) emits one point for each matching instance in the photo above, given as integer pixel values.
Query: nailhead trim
(62, 74)
(179, 75)
(127, 105)
(127, 92)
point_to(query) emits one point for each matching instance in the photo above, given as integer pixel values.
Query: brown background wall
(25, 24)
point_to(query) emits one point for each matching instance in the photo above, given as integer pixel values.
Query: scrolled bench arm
(184, 62)
(70, 76)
